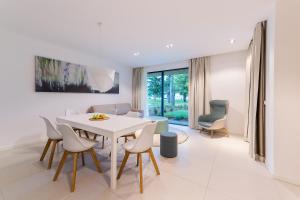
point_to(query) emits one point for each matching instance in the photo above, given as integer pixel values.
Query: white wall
(227, 82)
(228, 77)
(20, 105)
(287, 92)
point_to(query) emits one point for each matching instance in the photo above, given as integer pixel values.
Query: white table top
(116, 124)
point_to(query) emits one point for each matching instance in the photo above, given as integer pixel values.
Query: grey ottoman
(168, 144)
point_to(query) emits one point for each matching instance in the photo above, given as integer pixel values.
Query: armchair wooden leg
(153, 161)
(123, 164)
(45, 149)
(75, 157)
(60, 166)
(227, 132)
(94, 156)
(52, 153)
(141, 172)
(211, 133)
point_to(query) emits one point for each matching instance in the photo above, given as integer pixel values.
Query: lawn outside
(176, 113)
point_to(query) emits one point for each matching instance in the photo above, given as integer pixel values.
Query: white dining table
(113, 128)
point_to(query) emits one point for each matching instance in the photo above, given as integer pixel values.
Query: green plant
(178, 114)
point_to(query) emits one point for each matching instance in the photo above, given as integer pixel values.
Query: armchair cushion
(205, 124)
(218, 110)
(208, 118)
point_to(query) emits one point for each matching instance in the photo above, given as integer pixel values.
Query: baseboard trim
(286, 180)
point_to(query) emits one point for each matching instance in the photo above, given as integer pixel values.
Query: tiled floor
(206, 169)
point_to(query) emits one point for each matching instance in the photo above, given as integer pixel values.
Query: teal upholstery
(218, 110)
(162, 124)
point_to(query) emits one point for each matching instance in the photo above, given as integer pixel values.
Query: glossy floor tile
(206, 168)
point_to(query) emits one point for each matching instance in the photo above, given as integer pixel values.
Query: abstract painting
(59, 76)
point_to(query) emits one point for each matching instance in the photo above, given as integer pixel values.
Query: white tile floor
(205, 169)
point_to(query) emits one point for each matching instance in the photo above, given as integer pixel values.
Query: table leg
(113, 167)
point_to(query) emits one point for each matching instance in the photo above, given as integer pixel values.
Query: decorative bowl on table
(99, 117)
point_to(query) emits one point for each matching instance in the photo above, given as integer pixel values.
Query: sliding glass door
(168, 95)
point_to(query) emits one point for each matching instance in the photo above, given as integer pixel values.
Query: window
(168, 95)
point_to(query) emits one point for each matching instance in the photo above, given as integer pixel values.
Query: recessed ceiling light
(169, 46)
(136, 53)
(232, 41)
(99, 24)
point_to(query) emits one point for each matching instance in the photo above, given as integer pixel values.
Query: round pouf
(168, 144)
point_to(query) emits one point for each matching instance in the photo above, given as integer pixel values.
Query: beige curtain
(248, 89)
(199, 89)
(137, 76)
(255, 116)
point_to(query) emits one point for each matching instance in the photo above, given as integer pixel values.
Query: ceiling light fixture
(169, 46)
(232, 41)
(136, 53)
(99, 24)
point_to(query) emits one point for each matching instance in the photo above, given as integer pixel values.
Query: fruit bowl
(99, 117)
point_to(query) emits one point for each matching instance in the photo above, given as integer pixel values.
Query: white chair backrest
(145, 141)
(71, 141)
(133, 114)
(52, 133)
(70, 112)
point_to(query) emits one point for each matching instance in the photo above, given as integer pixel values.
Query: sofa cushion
(123, 108)
(107, 109)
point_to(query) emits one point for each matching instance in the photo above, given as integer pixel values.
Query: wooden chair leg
(123, 164)
(86, 135)
(137, 159)
(103, 140)
(141, 172)
(95, 137)
(211, 133)
(94, 156)
(52, 153)
(153, 161)
(126, 139)
(75, 158)
(45, 149)
(60, 166)
(82, 158)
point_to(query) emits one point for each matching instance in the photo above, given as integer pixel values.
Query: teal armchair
(217, 118)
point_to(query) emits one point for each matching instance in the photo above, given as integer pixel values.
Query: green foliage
(182, 85)
(178, 114)
(154, 85)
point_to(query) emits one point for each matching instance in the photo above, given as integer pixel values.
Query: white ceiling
(195, 27)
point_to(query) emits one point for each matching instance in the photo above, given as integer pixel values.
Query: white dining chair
(54, 136)
(141, 145)
(133, 115)
(75, 145)
(89, 135)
